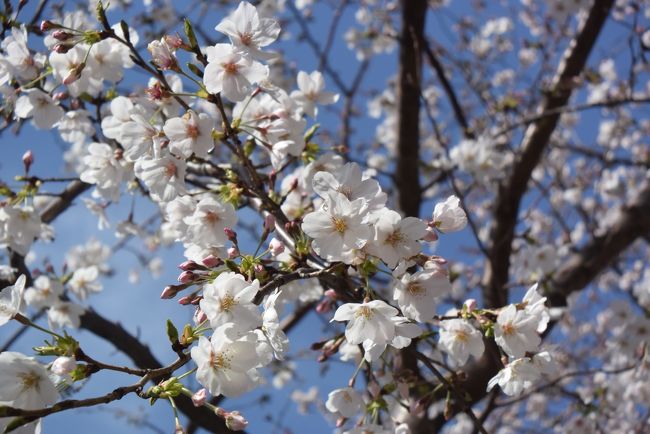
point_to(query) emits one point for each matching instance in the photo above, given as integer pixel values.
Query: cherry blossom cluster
(215, 134)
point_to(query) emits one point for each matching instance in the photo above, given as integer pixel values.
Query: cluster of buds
(68, 38)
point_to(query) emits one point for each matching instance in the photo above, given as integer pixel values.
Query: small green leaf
(172, 332)
(191, 37)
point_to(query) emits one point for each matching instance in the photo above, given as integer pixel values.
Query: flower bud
(470, 305)
(185, 300)
(28, 160)
(186, 277)
(331, 294)
(199, 316)
(233, 252)
(174, 41)
(61, 35)
(211, 261)
(59, 96)
(199, 398)
(189, 266)
(62, 366)
(235, 421)
(48, 25)
(276, 247)
(232, 235)
(324, 306)
(74, 74)
(269, 223)
(61, 48)
(170, 291)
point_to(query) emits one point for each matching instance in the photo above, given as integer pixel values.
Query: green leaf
(191, 37)
(172, 332)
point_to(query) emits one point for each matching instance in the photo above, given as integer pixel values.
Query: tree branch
(536, 139)
(407, 172)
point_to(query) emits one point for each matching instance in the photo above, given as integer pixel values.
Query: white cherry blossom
(311, 93)
(516, 331)
(459, 339)
(367, 321)
(231, 73)
(229, 300)
(249, 32)
(10, 299)
(190, 134)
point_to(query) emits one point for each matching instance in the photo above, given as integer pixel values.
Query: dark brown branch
(535, 141)
(407, 173)
(449, 90)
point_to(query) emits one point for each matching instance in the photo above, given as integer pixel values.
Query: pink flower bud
(276, 247)
(174, 41)
(232, 235)
(169, 292)
(28, 160)
(211, 261)
(324, 306)
(61, 35)
(198, 399)
(235, 421)
(340, 422)
(189, 266)
(470, 304)
(199, 316)
(62, 366)
(269, 223)
(74, 74)
(61, 48)
(233, 252)
(331, 294)
(58, 96)
(185, 300)
(186, 277)
(48, 25)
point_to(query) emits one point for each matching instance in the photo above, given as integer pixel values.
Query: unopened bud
(186, 277)
(199, 316)
(235, 421)
(61, 35)
(331, 294)
(340, 422)
(28, 160)
(233, 252)
(198, 399)
(61, 48)
(170, 291)
(211, 261)
(269, 223)
(174, 41)
(62, 366)
(259, 270)
(189, 266)
(276, 247)
(74, 74)
(470, 305)
(232, 235)
(48, 25)
(324, 306)
(185, 300)
(59, 96)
